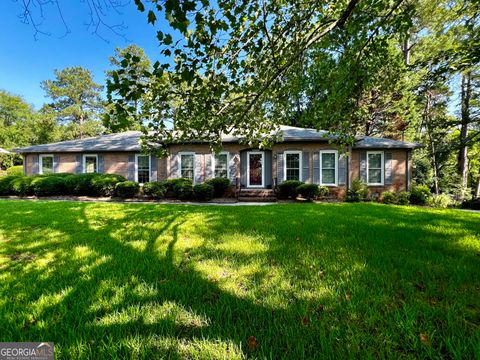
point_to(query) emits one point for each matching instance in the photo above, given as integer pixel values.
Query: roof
(3, 151)
(130, 141)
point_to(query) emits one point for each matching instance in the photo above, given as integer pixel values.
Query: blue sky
(25, 62)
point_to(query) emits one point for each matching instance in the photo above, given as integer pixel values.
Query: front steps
(257, 195)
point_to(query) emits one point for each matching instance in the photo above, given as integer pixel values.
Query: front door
(255, 169)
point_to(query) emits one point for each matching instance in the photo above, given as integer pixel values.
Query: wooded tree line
(399, 69)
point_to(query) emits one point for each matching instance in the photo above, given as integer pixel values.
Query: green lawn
(179, 281)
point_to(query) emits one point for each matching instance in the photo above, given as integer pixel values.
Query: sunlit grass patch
(283, 281)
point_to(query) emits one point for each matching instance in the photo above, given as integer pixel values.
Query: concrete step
(256, 199)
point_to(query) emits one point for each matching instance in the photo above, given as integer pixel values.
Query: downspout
(24, 156)
(407, 170)
(349, 158)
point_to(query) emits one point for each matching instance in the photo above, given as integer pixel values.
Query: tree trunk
(406, 50)
(477, 188)
(426, 119)
(81, 126)
(465, 120)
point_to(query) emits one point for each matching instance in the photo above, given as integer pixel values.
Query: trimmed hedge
(6, 185)
(22, 186)
(220, 186)
(203, 191)
(288, 188)
(154, 189)
(420, 194)
(403, 198)
(389, 197)
(127, 189)
(15, 170)
(49, 186)
(80, 185)
(183, 190)
(308, 191)
(104, 184)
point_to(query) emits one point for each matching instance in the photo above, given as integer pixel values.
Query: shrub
(357, 192)
(15, 170)
(171, 183)
(154, 189)
(308, 191)
(220, 186)
(48, 185)
(104, 184)
(389, 197)
(419, 194)
(471, 204)
(183, 190)
(440, 201)
(323, 190)
(22, 185)
(6, 185)
(403, 198)
(288, 188)
(126, 189)
(80, 185)
(203, 191)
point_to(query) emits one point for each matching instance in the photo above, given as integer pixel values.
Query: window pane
(293, 161)
(90, 164)
(143, 169)
(374, 161)
(293, 174)
(328, 161)
(221, 165)
(328, 176)
(374, 176)
(47, 165)
(186, 166)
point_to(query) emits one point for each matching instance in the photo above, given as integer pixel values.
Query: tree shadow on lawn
(312, 281)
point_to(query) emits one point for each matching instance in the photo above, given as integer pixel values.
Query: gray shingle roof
(130, 141)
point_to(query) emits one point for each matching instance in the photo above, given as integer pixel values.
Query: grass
(282, 281)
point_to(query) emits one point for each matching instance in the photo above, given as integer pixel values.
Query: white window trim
(40, 163)
(213, 161)
(149, 167)
(248, 169)
(336, 167)
(180, 163)
(382, 167)
(84, 167)
(300, 163)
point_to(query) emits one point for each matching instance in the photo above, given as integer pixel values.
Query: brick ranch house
(304, 154)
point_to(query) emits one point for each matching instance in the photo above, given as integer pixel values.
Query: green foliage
(323, 191)
(80, 185)
(403, 198)
(183, 189)
(440, 201)
(154, 189)
(220, 186)
(389, 197)
(127, 189)
(49, 185)
(22, 185)
(471, 204)
(419, 194)
(288, 188)
(358, 191)
(104, 184)
(203, 191)
(6, 185)
(76, 99)
(308, 191)
(15, 170)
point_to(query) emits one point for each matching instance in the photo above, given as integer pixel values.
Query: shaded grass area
(179, 281)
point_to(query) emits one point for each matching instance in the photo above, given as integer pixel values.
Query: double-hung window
(220, 165)
(45, 165)
(375, 168)
(187, 165)
(90, 163)
(142, 168)
(329, 167)
(293, 165)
